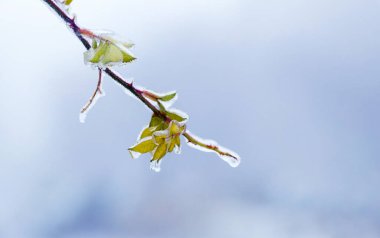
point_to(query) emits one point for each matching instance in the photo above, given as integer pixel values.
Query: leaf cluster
(161, 135)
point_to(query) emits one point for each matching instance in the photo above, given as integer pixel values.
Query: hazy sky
(292, 86)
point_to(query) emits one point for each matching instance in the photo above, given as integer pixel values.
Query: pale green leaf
(172, 145)
(174, 128)
(94, 44)
(160, 137)
(112, 55)
(168, 97)
(98, 53)
(160, 152)
(108, 53)
(161, 106)
(144, 146)
(155, 121)
(175, 116)
(148, 131)
(127, 57)
(177, 141)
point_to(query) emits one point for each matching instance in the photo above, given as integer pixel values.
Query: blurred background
(292, 86)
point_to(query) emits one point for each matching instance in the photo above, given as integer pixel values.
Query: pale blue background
(292, 86)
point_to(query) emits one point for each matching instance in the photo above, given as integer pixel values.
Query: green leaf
(168, 97)
(160, 152)
(162, 108)
(112, 55)
(98, 53)
(94, 44)
(160, 137)
(127, 57)
(175, 116)
(144, 146)
(177, 141)
(68, 2)
(123, 47)
(174, 128)
(155, 121)
(148, 131)
(108, 53)
(172, 145)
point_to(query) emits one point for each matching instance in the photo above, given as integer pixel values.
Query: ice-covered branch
(162, 134)
(211, 146)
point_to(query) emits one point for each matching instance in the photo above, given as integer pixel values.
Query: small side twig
(97, 91)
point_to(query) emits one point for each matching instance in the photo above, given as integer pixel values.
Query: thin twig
(97, 90)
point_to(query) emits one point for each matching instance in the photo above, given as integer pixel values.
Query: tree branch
(193, 140)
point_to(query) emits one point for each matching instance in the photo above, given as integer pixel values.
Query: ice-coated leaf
(112, 55)
(168, 97)
(94, 44)
(164, 100)
(127, 57)
(124, 48)
(160, 152)
(175, 128)
(175, 144)
(108, 53)
(95, 55)
(176, 116)
(161, 106)
(160, 137)
(144, 146)
(155, 121)
(177, 141)
(148, 131)
(171, 146)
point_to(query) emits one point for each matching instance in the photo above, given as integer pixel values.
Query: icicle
(155, 166)
(177, 150)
